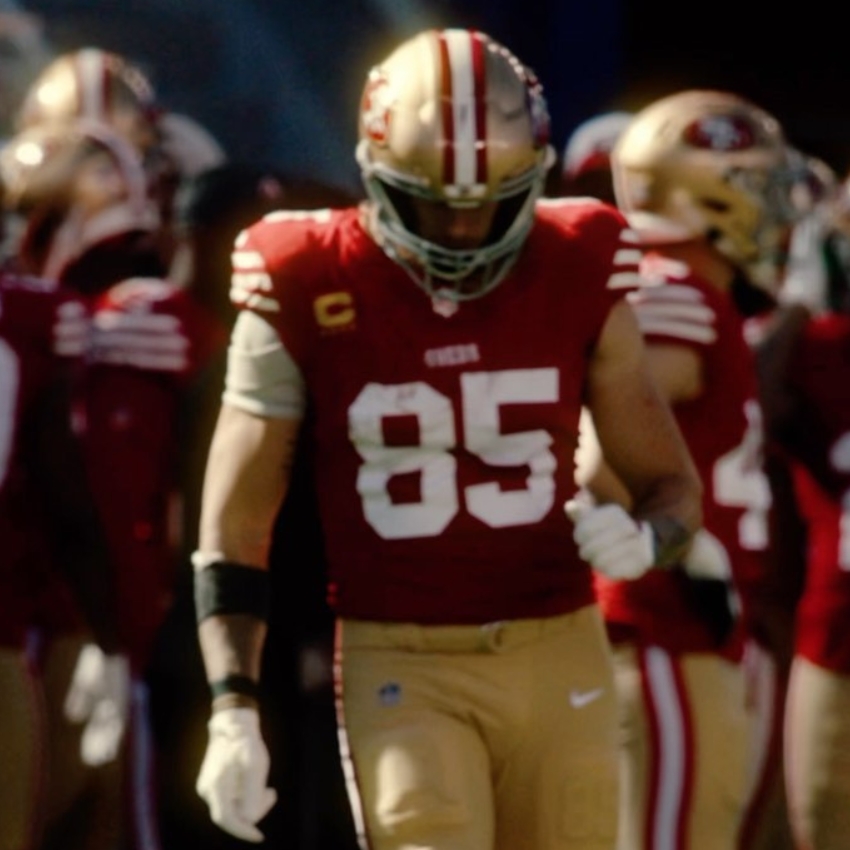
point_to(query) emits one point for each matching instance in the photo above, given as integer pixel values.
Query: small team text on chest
(453, 355)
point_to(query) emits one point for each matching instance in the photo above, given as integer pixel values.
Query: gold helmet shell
(96, 85)
(453, 117)
(710, 164)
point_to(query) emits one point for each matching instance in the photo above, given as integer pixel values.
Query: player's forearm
(673, 507)
(232, 646)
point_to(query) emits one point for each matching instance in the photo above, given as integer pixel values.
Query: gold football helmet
(452, 118)
(710, 164)
(96, 85)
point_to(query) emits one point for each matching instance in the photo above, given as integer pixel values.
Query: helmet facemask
(754, 234)
(457, 274)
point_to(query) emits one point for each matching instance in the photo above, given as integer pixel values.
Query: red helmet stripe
(446, 99)
(462, 58)
(480, 83)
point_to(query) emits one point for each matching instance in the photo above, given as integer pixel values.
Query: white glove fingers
(234, 774)
(258, 805)
(611, 540)
(575, 509)
(254, 804)
(78, 704)
(224, 814)
(102, 736)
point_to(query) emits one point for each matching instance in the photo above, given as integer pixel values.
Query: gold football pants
(494, 737)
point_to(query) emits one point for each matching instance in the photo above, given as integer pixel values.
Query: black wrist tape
(235, 684)
(229, 588)
(671, 541)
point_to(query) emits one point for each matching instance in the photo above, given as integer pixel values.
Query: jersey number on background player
(740, 482)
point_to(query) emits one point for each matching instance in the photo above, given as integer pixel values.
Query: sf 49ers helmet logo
(376, 107)
(721, 133)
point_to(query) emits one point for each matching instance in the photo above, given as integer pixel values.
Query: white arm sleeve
(262, 378)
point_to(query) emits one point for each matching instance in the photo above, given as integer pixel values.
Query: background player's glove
(707, 558)
(99, 697)
(234, 773)
(611, 540)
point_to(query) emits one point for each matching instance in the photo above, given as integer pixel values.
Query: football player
(46, 514)
(803, 354)
(86, 219)
(706, 178)
(433, 346)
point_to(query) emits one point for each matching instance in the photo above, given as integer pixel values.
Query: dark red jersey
(722, 428)
(42, 330)
(819, 441)
(444, 434)
(149, 340)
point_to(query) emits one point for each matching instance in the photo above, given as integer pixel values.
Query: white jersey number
(740, 482)
(9, 381)
(482, 393)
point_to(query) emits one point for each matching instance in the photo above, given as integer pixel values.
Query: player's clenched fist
(234, 773)
(611, 540)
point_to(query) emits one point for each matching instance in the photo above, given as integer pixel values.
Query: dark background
(278, 82)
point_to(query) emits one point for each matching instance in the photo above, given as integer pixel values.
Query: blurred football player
(46, 515)
(433, 346)
(803, 358)
(86, 219)
(706, 178)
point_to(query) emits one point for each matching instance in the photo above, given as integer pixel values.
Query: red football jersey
(722, 428)
(150, 338)
(820, 443)
(41, 330)
(444, 438)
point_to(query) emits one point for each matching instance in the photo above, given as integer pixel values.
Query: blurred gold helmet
(710, 164)
(97, 85)
(452, 117)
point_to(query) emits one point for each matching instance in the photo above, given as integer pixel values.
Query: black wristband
(671, 540)
(235, 684)
(225, 587)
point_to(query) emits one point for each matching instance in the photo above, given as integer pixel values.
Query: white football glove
(99, 697)
(612, 541)
(707, 558)
(234, 773)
